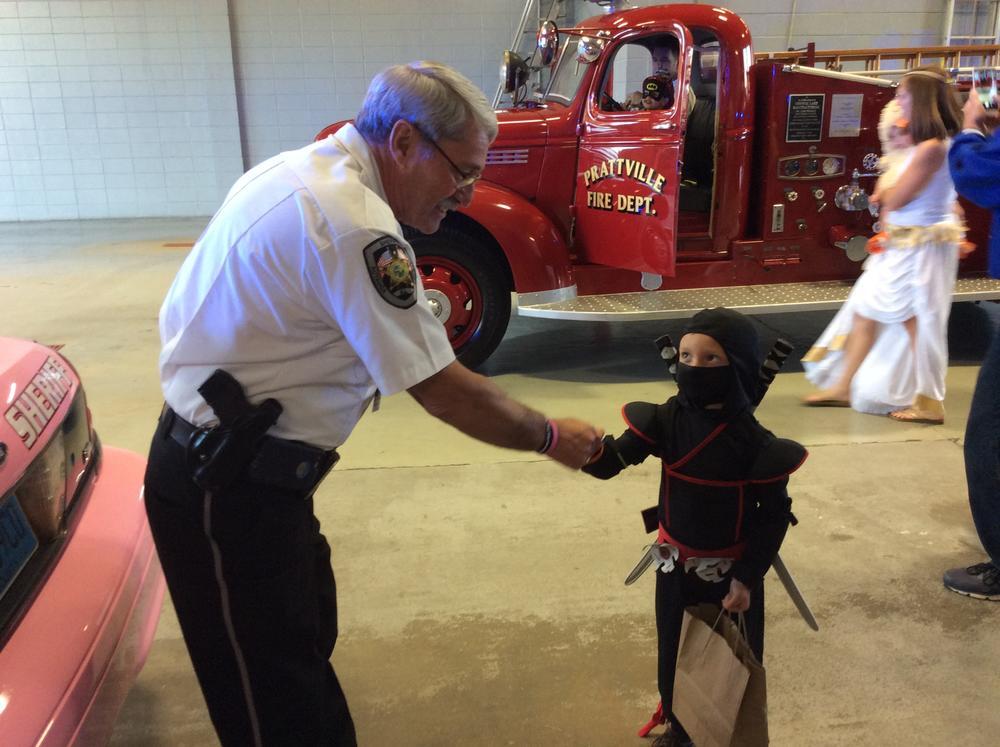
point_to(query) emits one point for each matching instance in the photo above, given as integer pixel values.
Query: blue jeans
(982, 452)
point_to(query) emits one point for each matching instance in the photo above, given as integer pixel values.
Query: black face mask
(702, 385)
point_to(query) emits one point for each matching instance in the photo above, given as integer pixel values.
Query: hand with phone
(984, 84)
(975, 116)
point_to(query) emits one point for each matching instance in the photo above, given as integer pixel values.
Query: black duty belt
(276, 462)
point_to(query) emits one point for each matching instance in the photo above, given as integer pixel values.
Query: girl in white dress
(886, 350)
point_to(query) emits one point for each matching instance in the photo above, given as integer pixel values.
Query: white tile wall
(844, 24)
(303, 64)
(116, 108)
(119, 108)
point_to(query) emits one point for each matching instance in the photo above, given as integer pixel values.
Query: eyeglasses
(467, 179)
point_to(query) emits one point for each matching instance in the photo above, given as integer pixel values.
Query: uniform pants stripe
(228, 617)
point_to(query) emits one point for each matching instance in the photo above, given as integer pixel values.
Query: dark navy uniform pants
(250, 578)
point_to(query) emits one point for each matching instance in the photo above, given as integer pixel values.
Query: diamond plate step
(754, 299)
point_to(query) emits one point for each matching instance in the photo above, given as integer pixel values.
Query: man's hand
(578, 442)
(738, 598)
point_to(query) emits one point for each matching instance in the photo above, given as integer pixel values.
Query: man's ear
(403, 141)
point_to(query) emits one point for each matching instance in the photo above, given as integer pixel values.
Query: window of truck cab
(634, 62)
(568, 73)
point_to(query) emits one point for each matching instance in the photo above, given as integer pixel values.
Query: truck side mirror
(548, 42)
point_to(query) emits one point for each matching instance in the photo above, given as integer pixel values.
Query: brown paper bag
(751, 721)
(711, 679)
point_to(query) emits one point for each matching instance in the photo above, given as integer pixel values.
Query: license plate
(17, 542)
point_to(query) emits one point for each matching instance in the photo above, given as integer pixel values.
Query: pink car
(80, 583)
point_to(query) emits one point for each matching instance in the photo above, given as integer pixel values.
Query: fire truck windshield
(568, 73)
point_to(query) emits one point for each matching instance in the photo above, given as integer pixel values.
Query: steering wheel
(608, 104)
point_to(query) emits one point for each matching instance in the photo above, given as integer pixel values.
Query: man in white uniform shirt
(303, 289)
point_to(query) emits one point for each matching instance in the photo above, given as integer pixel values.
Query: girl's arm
(926, 161)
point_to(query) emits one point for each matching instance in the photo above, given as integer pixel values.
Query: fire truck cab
(749, 189)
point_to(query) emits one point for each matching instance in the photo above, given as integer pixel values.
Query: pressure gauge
(791, 168)
(831, 166)
(812, 166)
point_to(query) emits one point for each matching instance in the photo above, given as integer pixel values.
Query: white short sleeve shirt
(304, 289)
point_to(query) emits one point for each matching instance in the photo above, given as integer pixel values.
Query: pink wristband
(555, 436)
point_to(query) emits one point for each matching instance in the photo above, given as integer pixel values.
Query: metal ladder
(523, 42)
(977, 21)
(889, 62)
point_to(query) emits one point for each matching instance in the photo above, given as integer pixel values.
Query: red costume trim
(635, 430)
(704, 481)
(708, 439)
(655, 720)
(785, 474)
(685, 551)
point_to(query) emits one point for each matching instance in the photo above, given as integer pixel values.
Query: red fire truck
(751, 191)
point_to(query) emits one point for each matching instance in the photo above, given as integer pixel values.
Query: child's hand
(738, 598)
(576, 443)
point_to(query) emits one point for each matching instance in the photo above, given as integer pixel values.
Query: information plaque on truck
(805, 118)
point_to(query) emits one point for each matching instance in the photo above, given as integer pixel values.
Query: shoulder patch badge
(392, 271)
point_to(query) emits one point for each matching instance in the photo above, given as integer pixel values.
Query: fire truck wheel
(467, 290)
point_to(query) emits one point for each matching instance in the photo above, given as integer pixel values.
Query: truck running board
(751, 299)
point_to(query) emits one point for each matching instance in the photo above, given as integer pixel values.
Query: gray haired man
(298, 304)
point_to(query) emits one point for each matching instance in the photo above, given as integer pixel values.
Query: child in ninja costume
(723, 506)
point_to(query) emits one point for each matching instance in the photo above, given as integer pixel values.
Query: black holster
(217, 455)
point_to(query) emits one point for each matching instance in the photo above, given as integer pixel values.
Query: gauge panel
(811, 166)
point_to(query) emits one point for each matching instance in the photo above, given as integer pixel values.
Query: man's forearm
(479, 408)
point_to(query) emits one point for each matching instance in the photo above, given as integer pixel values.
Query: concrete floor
(481, 589)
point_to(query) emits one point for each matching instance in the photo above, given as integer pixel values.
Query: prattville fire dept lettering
(629, 169)
(636, 170)
(38, 402)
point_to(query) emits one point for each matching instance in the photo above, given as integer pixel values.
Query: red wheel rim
(461, 291)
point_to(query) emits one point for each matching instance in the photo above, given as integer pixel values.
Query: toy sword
(793, 591)
(644, 562)
(662, 555)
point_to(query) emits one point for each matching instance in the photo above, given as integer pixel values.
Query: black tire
(461, 274)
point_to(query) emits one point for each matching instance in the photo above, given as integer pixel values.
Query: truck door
(627, 178)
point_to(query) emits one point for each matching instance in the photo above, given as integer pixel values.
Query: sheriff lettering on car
(34, 408)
